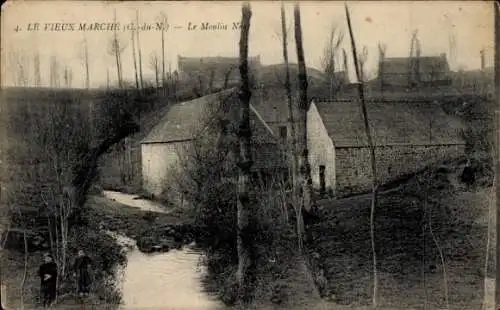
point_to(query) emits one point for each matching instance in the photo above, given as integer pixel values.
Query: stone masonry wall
(354, 169)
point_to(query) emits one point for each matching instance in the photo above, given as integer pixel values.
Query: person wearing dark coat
(48, 277)
(468, 174)
(82, 269)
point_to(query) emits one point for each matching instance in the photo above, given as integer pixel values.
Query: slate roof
(188, 120)
(182, 120)
(272, 104)
(421, 123)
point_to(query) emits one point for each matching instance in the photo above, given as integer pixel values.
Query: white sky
(389, 22)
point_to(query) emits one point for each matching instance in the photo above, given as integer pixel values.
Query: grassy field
(409, 264)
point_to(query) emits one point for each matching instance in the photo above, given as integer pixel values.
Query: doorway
(322, 184)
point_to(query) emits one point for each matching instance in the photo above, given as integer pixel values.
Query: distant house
(408, 136)
(164, 147)
(215, 72)
(271, 103)
(274, 75)
(475, 81)
(414, 71)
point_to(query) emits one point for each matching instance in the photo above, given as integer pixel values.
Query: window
(283, 132)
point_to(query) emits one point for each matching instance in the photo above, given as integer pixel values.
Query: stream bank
(158, 280)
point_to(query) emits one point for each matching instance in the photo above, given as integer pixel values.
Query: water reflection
(170, 280)
(134, 201)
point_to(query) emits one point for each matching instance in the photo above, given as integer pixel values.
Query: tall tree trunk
(135, 61)
(497, 140)
(245, 162)
(139, 50)
(305, 169)
(372, 159)
(291, 122)
(117, 58)
(292, 144)
(2, 298)
(116, 47)
(120, 63)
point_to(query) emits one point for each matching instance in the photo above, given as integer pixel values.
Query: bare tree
(22, 69)
(135, 61)
(372, 158)
(362, 57)
(344, 61)
(154, 65)
(116, 49)
(382, 48)
(68, 76)
(413, 65)
(305, 168)
(330, 54)
(107, 78)
(164, 22)
(497, 95)
(54, 71)
(292, 145)
(139, 49)
(36, 65)
(19, 67)
(86, 63)
(244, 245)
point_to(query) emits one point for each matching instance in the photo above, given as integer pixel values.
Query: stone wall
(121, 168)
(159, 160)
(394, 161)
(321, 149)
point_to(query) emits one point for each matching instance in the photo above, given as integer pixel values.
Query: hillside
(275, 74)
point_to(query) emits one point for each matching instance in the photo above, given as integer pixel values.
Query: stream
(169, 280)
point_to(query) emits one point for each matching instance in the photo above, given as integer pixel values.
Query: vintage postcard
(248, 155)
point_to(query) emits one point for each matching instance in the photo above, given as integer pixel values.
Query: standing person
(82, 268)
(468, 174)
(48, 276)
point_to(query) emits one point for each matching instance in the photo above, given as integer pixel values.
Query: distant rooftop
(425, 63)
